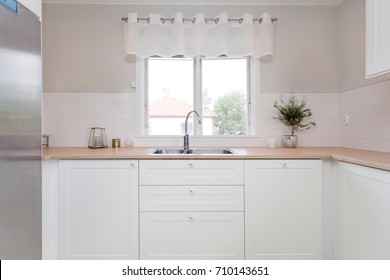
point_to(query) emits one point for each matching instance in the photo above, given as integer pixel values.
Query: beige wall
(82, 47)
(351, 40)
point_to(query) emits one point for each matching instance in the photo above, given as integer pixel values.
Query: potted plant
(292, 113)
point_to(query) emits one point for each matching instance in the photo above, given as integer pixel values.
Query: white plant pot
(290, 141)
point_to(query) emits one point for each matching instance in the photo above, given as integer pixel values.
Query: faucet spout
(186, 138)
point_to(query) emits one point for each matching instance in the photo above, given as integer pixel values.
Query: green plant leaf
(293, 112)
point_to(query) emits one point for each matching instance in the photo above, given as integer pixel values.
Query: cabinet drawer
(191, 235)
(191, 172)
(191, 198)
(284, 164)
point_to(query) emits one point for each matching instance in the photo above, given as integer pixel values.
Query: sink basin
(211, 151)
(170, 151)
(195, 151)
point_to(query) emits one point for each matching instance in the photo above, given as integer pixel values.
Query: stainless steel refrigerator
(20, 133)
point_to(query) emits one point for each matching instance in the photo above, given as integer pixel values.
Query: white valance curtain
(156, 35)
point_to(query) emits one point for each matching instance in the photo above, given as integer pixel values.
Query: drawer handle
(191, 218)
(190, 164)
(284, 164)
(191, 191)
(132, 164)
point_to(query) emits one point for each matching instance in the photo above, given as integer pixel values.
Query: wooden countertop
(374, 159)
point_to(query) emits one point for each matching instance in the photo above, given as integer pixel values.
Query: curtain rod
(193, 20)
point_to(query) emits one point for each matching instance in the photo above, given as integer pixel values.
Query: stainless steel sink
(170, 151)
(195, 151)
(211, 151)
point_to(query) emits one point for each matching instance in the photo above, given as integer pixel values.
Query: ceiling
(202, 2)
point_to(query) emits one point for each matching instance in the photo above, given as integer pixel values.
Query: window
(224, 96)
(169, 94)
(219, 89)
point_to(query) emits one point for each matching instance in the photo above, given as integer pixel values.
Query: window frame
(142, 108)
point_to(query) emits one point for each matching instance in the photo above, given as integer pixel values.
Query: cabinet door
(192, 235)
(377, 37)
(191, 172)
(98, 209)
(283, 209)
(364, 225)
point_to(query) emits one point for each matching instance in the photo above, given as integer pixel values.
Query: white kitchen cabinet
(283, 209)
(34, 6)
(377, 37)
(364, 224)
(192, 235)
(191, 209)
(98, 209)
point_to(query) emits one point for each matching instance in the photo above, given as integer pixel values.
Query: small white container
(129, 142)
(272, 143)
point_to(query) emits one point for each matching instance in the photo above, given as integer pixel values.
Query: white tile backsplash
(68, 117)
(369, 111)
(325, 109)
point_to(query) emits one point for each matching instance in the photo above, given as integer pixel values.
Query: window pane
(170, 92)
(224, 90)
